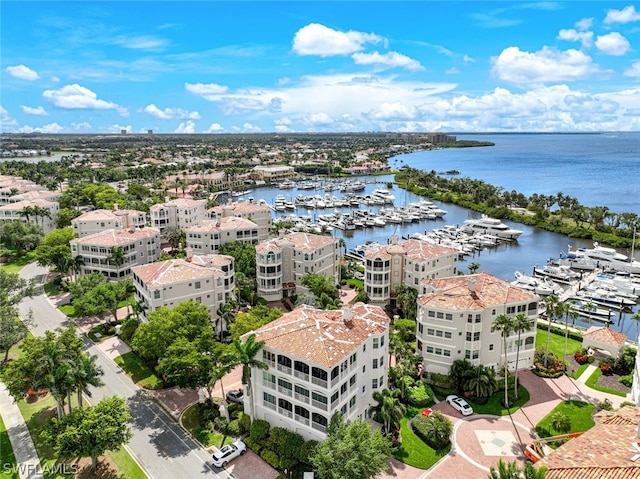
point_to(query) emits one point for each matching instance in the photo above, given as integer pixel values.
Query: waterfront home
(455, 317)
(208, 236)
(180, 213)
(44, 214)
(258, 213)
(319, 362)
(96, 221)
(272, 173)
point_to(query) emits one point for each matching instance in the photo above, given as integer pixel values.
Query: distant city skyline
(322, 66)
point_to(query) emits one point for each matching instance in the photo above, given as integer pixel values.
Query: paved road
(159, 445)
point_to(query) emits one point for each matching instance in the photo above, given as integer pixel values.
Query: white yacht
(492, 226)
(536, 285)
(609, 258)
(384, 195)
(559, 274)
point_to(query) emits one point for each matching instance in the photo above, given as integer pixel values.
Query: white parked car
(460, 405)
(223, 456)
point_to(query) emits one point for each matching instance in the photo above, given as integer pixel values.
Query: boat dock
(573, 288)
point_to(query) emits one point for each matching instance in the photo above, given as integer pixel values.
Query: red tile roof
(605, 335)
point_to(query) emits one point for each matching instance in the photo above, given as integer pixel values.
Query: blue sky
(289, 66)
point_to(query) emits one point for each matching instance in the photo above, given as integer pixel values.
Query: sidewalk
(25, 452)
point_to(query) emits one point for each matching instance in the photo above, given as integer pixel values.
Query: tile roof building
(408, 262)
(282, 262)
(320, 362)
(455, 316)
(605, 339)
(15, 212)
(259, 213)
(140, 246)
(609, 450)
(96, 221)
(271, 173)
(207, 279)
(179, 213)
(208, 236)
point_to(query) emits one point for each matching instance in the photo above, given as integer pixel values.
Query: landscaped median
(413, 451)
(139, 372)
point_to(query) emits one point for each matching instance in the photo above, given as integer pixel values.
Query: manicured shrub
(234, 428)
(606, 368)
(221, 424)
(271, 458)
(259, 429)
(245, 422)
(253, 444)
(128, 328)
(434, 430)
(627, 380)
(419, 395)
(581, 356)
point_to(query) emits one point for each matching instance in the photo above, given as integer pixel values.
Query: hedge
(419, 395)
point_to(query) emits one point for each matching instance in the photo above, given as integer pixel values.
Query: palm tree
(27, 212)
(220, 369)
(438, 430)
(636, 318)
(41, 212)
(483, 381)
(521, 324)
(86, 373)
(505, 470)
(246, 353)
(225, 313)
(117, 256)
(569, 310)
(76, 266)
(474, 267)
(551, 305)
(560, 422)
(504, 324)
(389, 408)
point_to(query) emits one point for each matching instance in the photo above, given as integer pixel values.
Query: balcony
(335, 381)
(318, 426)
(301, 398)
(301, 375)
(269, 405)
(285, 391)
(285, 412)
(319, 405)
(284, 369)
(271, 363)
(319, 382)
(268, 275)
(268, 384)
(302, 419)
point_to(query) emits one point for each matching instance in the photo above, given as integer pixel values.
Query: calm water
(598, 170)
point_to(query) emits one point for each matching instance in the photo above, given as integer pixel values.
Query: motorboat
(493, 226)
(609, 258)
(384, 195)
(606, 298)
(559, 274)
(535, 285)
(590, 310)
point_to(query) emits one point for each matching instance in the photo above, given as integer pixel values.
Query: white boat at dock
(492, 226)
(540, 286)
(608, 258)
(559, 274)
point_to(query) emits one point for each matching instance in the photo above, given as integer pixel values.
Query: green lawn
(68, 310)
(556, 343)
(578, 372)
(138, 371)
(206, 437)
(52, 289)
(7, 459)
(591, 382)
(15, 264)
(494, 404)
(35, 415)
(578, 411)
(414, 452)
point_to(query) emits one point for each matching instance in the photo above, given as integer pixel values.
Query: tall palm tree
(220, 369)
(483, 381)
(86, 373)
(636, 318)
(116, 256)
(389, 408)
(246, 353)
(505, 470)
(521, 324)
(504, 324)
(569, 310)
(42, 213)
(76, 266)
(27, 212)
(551, 305)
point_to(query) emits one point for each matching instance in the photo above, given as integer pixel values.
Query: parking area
(251, 466)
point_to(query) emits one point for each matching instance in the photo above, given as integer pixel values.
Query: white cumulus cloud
(214, 128)
(22, 72)
(78, 97)
(83, 126)
(118, 128)
(547, 65)
(205, 89)
(613, 44)
(387, 60)
(34, 111)
(50, 128)
(634, 70)
(187, 127)
(572, 35)
(6, 120)
(171, 113)
(316, 39)
(626, 15)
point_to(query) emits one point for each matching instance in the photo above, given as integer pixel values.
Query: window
(197, 285)
(374, 383)
(491, 347)
(375, 343)
(382, 341)
(156, 294)
(511, 309)
(375, 364)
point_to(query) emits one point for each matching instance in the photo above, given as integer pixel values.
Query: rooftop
(24, 203)
(605, 335)
(181, 270)
(416, 250)
(606, 451)
(99, 215)
(300, 241)
(471, 292)
(323, 337)
(114, 237)
(180, 203)
(222, 224)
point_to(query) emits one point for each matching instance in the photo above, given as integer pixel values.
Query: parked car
(460, 405)
(223, 456)
(236, 396)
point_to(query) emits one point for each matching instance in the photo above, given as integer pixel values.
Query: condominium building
(319, 362)
(207, 279)
(259, 213)
(140, 246)
(38, 212)
(14, 185)
(271, 173)
(40, 194)
(408, 262)
(180, 213)
(455, 318)
(282, 262)
(208, 236)
(96, 221)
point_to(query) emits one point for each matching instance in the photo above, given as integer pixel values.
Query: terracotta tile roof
(114, 237)
(217, 260)
(322, 336)
(605, 335)
(98, 215)
(180, 203)
(309, 241)
(603, 452)
(36, 195)
(241, 207)
(21, 204)
(222, 224)
(270, 245)
(415, 250)
(454, 293)
(176, 271)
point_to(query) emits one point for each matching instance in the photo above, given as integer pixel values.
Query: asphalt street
(159, 445)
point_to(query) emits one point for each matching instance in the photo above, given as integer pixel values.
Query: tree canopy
(253, 319)
(244, 254)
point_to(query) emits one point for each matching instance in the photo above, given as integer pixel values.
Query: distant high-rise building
(149, 132)
(123, 132)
